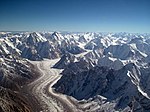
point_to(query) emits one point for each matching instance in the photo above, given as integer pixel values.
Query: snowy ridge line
(133, 79)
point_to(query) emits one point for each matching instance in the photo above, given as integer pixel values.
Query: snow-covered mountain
(118, 78)
(36, 46)
(103, 71)
(65, 60)
(122, 87)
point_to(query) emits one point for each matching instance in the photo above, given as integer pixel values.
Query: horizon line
(76, 31)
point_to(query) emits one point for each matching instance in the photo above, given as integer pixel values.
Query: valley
(75, 72)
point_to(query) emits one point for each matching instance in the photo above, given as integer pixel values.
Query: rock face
(122, 86)
(14, 73)
(12, 102)
(110, 62)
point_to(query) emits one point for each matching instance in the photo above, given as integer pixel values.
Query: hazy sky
(75, 15)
